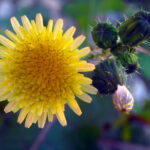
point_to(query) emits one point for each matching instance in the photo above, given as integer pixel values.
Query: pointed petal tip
(74, 106)
(79, 112)
(27, 126)
(19, 120)
(61, 118)
(38, 14)
(84, 51)
(73, 28)
(9, 107)
(58, 27)
(60, 19)
(6, 111)
(42, 120)
(39, 21)
(86, 68)
(89, 89)
(70, 32)
(29, 120)
(12, 18)
(40, 126)
(85, 97)
(6, 42)
(78, 41)
(89, 100)
(63, 123)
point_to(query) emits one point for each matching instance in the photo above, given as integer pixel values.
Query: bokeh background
(101, 126)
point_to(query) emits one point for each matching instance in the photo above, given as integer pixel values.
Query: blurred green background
(101, 126)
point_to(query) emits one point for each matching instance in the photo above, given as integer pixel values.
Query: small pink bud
(123, 99)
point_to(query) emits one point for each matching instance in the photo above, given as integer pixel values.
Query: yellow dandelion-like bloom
(41, 71)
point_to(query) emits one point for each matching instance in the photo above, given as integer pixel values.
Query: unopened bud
(107, 75)
(127, 56)
(105, 35)
(123, 99)
(129, 61)
(135, 29)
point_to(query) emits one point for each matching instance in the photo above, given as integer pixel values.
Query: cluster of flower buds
(122, 41)
(110, 75)
(110, 78)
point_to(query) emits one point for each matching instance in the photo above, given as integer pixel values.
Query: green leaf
(110, 5)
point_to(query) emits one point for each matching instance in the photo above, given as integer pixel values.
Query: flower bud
(129, 61)
(135, 29)
(105, 35)
(107, 75)
(126, 55)
(123, 99)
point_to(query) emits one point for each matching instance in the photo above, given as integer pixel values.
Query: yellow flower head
(41, 71)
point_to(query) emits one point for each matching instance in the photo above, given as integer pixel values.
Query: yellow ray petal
(16, 26)
(29, 120)
(4, 93)
(89, 89)
(61, 118)
(40, 109)
(16, 108)
(74, 106)
(58, 27)
(34, 26)
(12, 36)
(85, 80)
(68, 43)
(85, 97)
(39, 22)
(6, 42)
(50, 116)
(22, 115)
(35, 119)
(59, 105)
(9, 107)
(50, 26)
(3, 48)
(70, 32)
(79, 64)
(78, 41)
(42, 120)
(84, 51)
(87, 67)
(26, 23)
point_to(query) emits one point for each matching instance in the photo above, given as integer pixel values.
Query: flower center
(43, 70)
